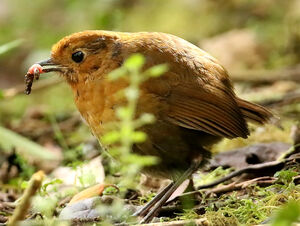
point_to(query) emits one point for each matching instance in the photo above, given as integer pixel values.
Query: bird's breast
(97, 101)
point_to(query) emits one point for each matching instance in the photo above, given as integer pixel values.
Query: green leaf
(52, 182)
(45, 205)
(285, 176)
(111, 137)
(134, 62)
(157, 70)
(1, 94)
(110, 191)
(10, 139)
(139, 137)
(124, 112)
(131, 93)
(288, 214)
(24, 184)
(117, 73)
(9, 46)
(141, 160)
(147, 118)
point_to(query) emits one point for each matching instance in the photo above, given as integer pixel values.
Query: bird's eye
(78, 56)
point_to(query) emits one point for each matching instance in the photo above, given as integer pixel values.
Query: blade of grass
(10, 45)
(10, 139)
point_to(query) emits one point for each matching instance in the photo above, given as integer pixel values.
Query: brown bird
(193, 102)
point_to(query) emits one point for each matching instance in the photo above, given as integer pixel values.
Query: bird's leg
(160, 202)
(141, 212)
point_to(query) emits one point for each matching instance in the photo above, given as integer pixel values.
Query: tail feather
(254, 112)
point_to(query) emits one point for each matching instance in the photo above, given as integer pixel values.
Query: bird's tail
(254, 112)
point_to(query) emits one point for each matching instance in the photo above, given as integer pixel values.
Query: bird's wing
(214, 113)
(209, 107)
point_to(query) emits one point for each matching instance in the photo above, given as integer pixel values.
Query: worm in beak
(35, 70)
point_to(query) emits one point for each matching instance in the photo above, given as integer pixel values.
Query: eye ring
(78, 56)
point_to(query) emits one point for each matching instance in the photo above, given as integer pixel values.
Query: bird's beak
(48, 66)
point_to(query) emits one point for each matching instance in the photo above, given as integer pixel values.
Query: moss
(218, 218)
(253, 205)
(265, 134)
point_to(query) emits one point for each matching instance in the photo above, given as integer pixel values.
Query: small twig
(238, 186)
(21, 209)
(266, 179)
(223, 189)
(199, 222)
(250, 169)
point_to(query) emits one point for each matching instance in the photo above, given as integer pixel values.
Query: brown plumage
(193, 102)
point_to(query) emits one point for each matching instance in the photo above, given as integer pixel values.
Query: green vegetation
(253, 205)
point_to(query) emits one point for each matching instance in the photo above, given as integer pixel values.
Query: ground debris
(254, 154)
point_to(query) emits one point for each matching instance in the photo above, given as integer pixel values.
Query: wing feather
(201, 114)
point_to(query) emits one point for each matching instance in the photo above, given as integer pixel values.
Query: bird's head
(85, 55)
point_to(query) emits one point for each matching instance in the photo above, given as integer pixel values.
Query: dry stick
(249, 169)
(21, 209)
(238, 186)
(199, 222)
